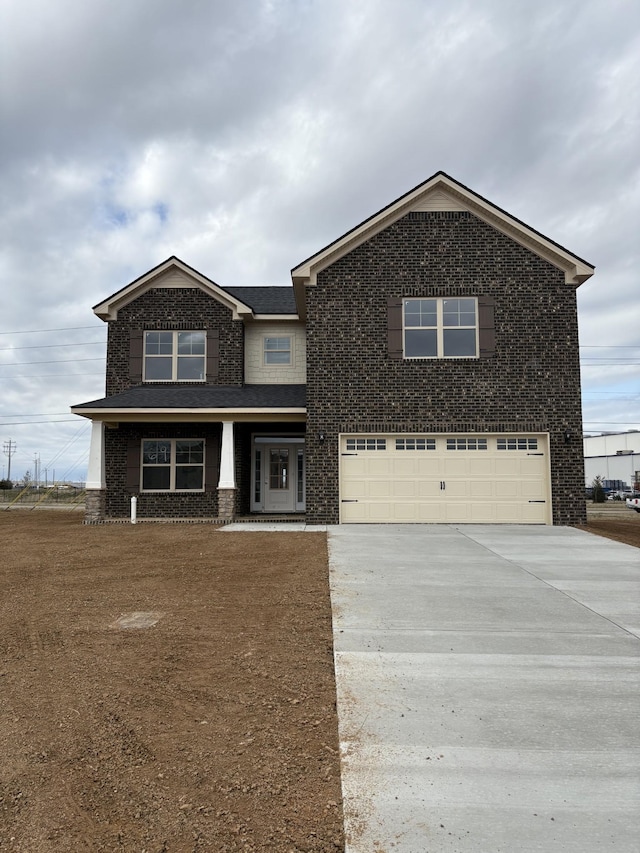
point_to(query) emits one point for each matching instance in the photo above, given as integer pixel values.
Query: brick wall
(532, 384)
(155, 504)
(174, 309)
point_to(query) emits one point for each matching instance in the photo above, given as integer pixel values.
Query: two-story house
(421, 368)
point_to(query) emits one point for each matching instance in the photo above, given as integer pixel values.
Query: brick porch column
(227, 482)
(96, 486)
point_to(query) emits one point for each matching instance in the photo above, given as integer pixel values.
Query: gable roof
(441, 192)
(242, 301)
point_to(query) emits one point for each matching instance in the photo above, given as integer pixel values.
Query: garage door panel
(446, 479)
(353, 466)
(404, 489)
(480, 466)
(403, 467)
(532, 466)
(481, 489)
(532, 489)
(506, 488)
(429, 488)
(454, 466)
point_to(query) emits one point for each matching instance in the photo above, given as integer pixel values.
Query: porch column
(227, 482)
(96, 484)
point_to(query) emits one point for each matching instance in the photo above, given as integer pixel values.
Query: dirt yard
(614, 521)
(213, 730)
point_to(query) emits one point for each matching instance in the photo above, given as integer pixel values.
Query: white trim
(173, 466)
(576, 271)
(440, 328)
(279, 364)
(95, 472)
(114, 416)
(108, 309)
(227, 466)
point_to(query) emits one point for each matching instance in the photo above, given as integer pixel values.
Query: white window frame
(172, 465)
(288, 349)
(175, 356)
(439, 328)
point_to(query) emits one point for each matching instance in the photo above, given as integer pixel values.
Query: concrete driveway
(488, 688)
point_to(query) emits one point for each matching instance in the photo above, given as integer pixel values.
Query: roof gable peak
(172, 273)
(442, 192)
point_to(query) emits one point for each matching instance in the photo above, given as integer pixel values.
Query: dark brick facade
(532, 384)
(170, 309)
(118, 444)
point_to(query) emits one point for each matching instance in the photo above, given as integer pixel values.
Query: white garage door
(479, 479)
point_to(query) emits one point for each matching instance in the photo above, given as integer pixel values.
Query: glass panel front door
(278, 474)
(280, 493)
(279, 468)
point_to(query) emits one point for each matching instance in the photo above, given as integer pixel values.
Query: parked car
(634, 503)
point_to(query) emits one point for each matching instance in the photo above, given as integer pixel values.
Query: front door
(280, 479)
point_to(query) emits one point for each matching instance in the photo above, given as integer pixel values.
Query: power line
(54, 346)
(49, 361)
(37, 331)
(51, 375)
(21, 423)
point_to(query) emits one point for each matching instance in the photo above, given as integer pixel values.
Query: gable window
(440, 328)
(277, 350)
(172, 465)
(174, 356)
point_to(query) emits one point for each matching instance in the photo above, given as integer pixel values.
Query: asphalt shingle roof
(266, 300)
(203, 397)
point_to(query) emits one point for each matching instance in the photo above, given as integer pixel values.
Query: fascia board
(108, 309)
(576, 270)
(285, 318)
(290, 413)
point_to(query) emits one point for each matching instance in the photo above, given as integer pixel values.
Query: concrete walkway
(488, 688)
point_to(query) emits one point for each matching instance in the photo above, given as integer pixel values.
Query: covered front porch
(193, 458)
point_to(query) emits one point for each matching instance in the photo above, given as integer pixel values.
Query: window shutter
(135, 355)
(394, 328)
(486, 326)
(213, 354)
(211, 466)
(133, 465)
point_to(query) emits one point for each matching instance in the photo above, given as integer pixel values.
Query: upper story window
(277, 350)
(174, 356)
(440, 328)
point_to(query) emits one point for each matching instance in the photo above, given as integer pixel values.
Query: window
(277, 350)
(415, 444)
(441, 328)
(174, 356)
(173, 465)
(466, 444)
(366, 444)
(517, 444)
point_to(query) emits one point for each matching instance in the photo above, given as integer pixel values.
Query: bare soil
(614, 521)
(213, 730)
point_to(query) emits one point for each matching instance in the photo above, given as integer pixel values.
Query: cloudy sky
(244, 135)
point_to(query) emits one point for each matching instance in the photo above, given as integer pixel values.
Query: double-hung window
(172, 465)
(277, 350)
(440, 328)
(174, 356)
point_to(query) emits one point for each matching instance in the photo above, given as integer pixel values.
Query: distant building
(613, 456)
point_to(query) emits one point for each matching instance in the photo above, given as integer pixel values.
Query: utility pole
(36, 465)
(9, 448)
